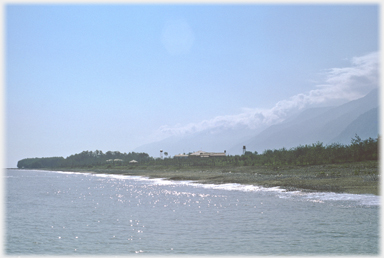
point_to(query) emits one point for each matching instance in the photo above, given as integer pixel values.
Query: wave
(362, 199)
(69, 172)
(320, 197)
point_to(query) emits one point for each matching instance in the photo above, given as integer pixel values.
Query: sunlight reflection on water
(68, 213)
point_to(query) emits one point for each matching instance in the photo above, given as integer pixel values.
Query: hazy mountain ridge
(208, 140)
(324, 124)
(365, 126)
(314, 125)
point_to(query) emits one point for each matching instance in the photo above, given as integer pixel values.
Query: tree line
(309, 154)
(317, 154)
(83, 159)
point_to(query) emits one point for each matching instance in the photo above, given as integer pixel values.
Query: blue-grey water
(58, 213)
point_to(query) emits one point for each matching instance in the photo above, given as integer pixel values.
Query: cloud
(342, 84)
(349, 83)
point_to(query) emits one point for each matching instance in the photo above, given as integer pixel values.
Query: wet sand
(355, 178)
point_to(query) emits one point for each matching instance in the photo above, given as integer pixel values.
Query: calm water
(68, 213)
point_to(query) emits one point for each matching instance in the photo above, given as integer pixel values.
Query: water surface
(70, 213)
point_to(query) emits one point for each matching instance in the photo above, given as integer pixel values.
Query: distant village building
(181, 156)
(115, 161)
(201, 154)
(204, 154)
(133, 162)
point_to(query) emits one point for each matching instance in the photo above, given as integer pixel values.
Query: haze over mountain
(323, 114)
(323, 124)
(365, 126)
(327, 125)
(209, 140)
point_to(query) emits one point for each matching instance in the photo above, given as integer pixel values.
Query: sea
(68, 213)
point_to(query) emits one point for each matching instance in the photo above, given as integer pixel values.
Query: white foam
(112, 176)
(238, 187)
(162, 181)
(361, 199)
(69, 172)
(321, 197)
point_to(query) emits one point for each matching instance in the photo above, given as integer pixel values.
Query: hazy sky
(114, 77)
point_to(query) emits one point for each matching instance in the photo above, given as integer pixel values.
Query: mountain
(327, 125)
(365, 126)
(324, 124)
(216, 140)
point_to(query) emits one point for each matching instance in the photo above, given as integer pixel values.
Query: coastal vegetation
(350, 168)
(85, 159)
(314, 154)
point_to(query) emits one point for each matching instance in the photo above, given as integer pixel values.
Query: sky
(114, 77)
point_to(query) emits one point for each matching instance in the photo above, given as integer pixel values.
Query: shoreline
(354, 178)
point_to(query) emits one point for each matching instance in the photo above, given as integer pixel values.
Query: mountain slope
(313, 125)
(209, 140)
(325, 124)
(365, 126)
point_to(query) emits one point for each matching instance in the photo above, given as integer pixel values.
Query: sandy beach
(355, 178)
